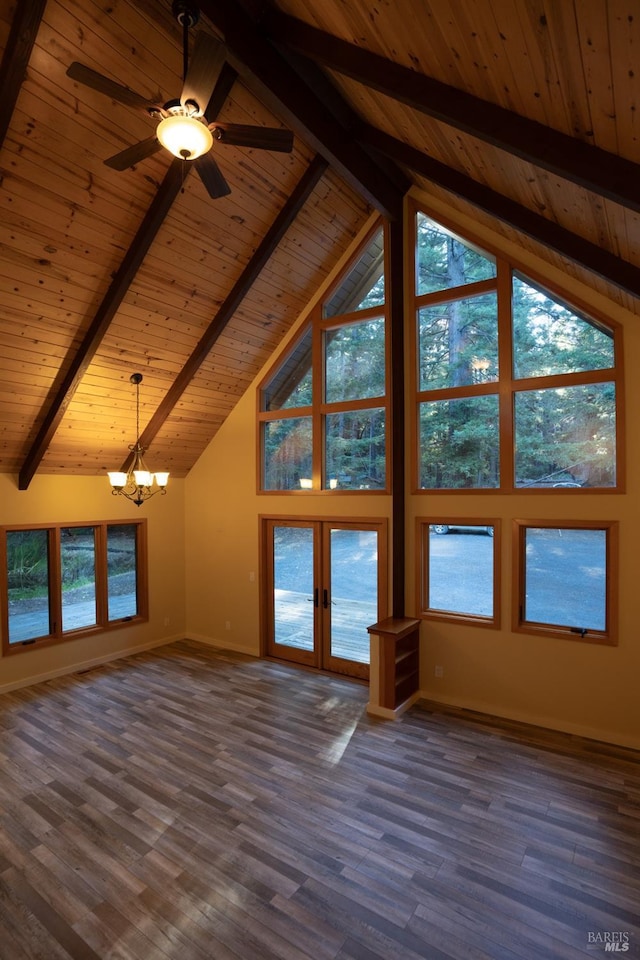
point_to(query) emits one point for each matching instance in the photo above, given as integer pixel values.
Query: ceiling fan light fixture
(185, 137)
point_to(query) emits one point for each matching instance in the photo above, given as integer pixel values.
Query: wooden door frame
(305, 657)
(266, 523)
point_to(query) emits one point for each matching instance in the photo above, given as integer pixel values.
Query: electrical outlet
(227, 624)
(252, 577)
(438, 672)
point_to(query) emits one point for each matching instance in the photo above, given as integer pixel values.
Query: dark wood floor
(195, 805)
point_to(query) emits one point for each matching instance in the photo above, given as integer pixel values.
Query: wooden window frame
(103, 624)
(608, 636)
(319, 409)
(423, 525)
(507, 387)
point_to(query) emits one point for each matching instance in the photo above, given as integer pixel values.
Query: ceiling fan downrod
(184, 10)
(187, 14)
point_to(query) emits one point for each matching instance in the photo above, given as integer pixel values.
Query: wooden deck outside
(349, 622)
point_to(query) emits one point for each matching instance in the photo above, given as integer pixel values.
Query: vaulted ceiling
(521, 114)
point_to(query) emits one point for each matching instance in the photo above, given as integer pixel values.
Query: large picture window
(565, 579)
(516, 389)
(61, 582)
(323, 410)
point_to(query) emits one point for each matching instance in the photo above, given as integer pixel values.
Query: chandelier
(136, 485)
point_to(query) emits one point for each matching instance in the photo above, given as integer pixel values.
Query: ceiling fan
(183, 128)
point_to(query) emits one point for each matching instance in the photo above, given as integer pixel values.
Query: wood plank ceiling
(522, 114)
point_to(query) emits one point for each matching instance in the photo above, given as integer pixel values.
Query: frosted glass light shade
(185, 137)
(143, 478)
(162, 478)
(117, 479)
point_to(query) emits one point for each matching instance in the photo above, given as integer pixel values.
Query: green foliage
(121, 549)
(563, 434)
(355, 361)
(291, 385)
(459, 443)
(355, 441)
(27, 563)
(77, 556)
(566, 435)
(458, 342)
(549, 338)
(364, 284)
(287, 453)
(375, 296)
(355, 449)
(444, 261)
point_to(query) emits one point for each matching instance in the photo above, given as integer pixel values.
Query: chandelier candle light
(136, 485)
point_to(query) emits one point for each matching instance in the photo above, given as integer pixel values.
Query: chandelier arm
(134, 481)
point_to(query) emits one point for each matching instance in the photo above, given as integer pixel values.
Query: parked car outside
(442, 528)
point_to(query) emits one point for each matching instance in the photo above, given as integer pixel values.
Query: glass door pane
(294, 597)
(323, 583)
(353, 606)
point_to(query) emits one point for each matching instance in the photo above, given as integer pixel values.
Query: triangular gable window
(444, 260)
(323, 407)
(516, 389)
(291, 385)
(363, 285)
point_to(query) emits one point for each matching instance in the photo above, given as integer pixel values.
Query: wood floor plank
(194, 804)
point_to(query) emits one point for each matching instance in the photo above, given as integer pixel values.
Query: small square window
(566, 579)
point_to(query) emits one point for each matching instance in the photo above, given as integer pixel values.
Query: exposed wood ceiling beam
(22, 36)
(169, 190)
(600, 262)
(131, 263)
(590, 167)
(240, 289)
(289, 95)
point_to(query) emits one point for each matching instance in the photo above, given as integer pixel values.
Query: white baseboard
(84, 665)
(546, 723)
(386, 713)
(226, 645)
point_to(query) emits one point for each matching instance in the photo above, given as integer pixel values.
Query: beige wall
(53, 499)
(569, 685)
(222, 528)
(572, 686)
(204, 573)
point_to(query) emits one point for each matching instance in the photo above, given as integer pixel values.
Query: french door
(323, 584)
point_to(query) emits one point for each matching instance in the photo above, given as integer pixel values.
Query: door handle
(325, 598)
(315, 598)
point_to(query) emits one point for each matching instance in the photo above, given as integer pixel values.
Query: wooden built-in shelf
(399, 660)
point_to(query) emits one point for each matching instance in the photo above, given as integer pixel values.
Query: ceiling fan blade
(134, 154)
(211, 176)
(204, 69)
(90, 78)
(262, 138)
